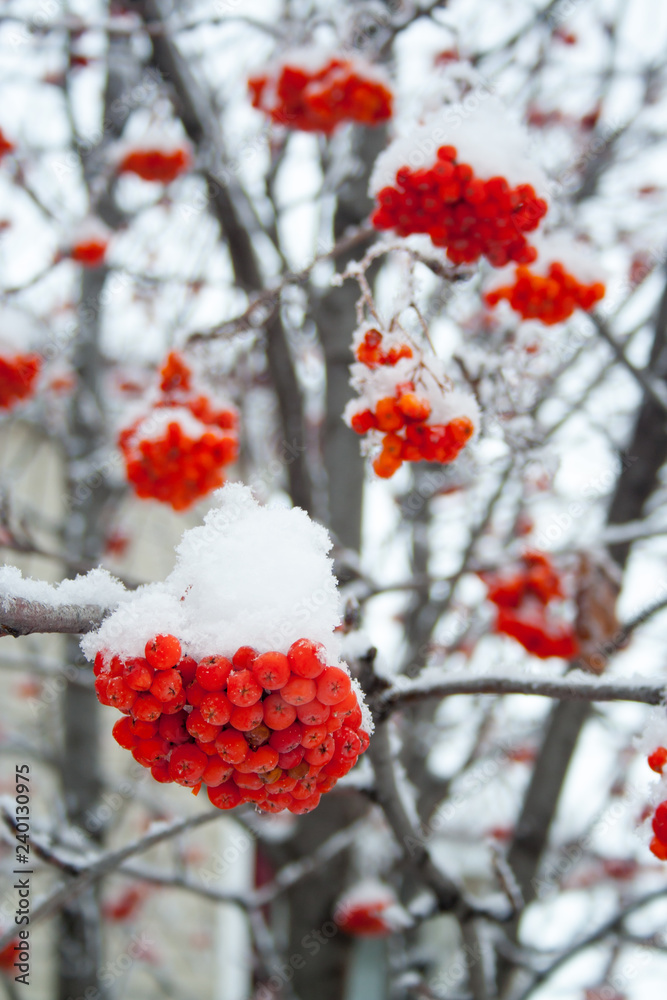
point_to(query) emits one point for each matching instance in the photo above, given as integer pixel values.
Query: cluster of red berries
(402, 417)
(175, 467)
(470, 216)
(89, 252)
(274, 729)
(319, 101)
(550, 299)
(5, 145)
(657, 761)
(17, 378)
(160, 165)
(364, 919)
(523, 599)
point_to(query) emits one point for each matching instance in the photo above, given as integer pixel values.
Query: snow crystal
(486, 137)
(96, 587)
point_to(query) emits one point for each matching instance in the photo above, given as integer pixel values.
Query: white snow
(250, 575)
(485, 137)
(95, 587)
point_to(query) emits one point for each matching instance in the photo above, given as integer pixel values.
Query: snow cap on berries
(250, 575)
(486, 138)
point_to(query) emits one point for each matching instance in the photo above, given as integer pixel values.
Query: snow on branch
(71, 607)
(577, 686)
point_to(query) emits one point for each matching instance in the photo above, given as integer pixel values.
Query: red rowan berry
(248, 718)
(299, 807)
(306, 658)
(284, 740)
(322, 753)
(173, 705)
(146, 708)
(278, 714)
(216, 708)
(225, 796)
(313, 736)
(216, 772)
(148, 752)
(660, 822)
(213, 672)
(271, 670)
(275, 803)
(197, 726)
(160, 772)
(249, 780)
(291, 758)
(231, 746)
(167, 685)
(659, 848)
(163, 652)
(173, 728)
(298, 691)
(187, 668)
(658, 759)
(119, 694)
(138, 674)
(348, 744)
(243, 689)
(314, 713)
(333, 685)
(195, 694)
(244, 657)
(187, 764)
(123, 734)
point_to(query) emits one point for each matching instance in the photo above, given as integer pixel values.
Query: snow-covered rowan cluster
(176, 452)
(406, 404)
(213, 687)
(314, 91)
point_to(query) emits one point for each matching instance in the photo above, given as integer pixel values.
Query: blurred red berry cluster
(17, 378)
(160, 165)
(523, 598)
(179, 464)
(5, 145)
(89, 252)
(318, 101)
(657, 761)
(550, 299)
(469, 216)
(274, 729)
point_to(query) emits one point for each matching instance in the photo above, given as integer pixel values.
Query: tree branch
(570, 688)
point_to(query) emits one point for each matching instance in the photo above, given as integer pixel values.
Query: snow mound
(485, 137)
(250, 575)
